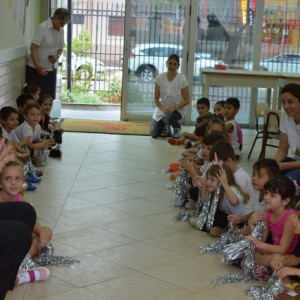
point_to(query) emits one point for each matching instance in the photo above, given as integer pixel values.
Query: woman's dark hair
(293, 89)
(6, 111)
(284, 186)
(175, 57)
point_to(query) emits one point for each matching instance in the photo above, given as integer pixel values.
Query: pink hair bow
(216, 161)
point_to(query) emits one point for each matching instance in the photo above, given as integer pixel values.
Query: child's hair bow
(216, 161)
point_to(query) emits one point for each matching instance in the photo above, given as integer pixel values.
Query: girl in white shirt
(231, 199)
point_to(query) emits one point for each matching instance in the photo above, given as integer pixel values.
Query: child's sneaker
(172, 141)
(39, 173)
(33, 275)
(176, 133)
(32, 179)
(31, 187)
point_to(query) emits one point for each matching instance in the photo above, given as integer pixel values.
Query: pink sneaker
(33, 275)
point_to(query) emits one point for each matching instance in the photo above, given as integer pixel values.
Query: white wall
(17, 23)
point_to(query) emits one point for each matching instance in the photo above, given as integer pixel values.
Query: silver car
(83, 67)
(285, 62)
(148, 60)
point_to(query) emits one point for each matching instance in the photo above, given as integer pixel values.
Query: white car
(285, 62)
(148, 60)
(83, 67)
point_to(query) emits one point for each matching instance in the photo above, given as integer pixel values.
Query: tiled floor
(109, 207)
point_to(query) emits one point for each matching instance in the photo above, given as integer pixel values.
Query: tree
(82, 44)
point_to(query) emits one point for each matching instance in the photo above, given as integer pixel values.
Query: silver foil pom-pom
(270, 291)
(162, 171)
(245, 250)
(181, 190)
(207, 214)
(229, 237)
(258, 231)
(43, 155)
(27, 263)
(47, 257)
(213, 208)
(171, 186)
(184, 216)
(248, 266)
(236, 251)
(29, 168)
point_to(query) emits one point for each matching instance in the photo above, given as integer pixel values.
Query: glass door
(153, 31)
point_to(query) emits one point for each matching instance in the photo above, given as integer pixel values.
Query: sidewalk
(90, 115)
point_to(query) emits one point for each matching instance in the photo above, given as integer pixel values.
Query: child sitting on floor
(279, 219)
(196, 167)
(214, 125)
(31, 127)
(9, 122)
(232, 106)
(23, 100)
(230, 198)
(219, 109)
(46, 103)
(11, 181)
(33, 90)
(263, 171)
(225, 153)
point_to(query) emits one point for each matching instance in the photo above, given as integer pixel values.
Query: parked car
(285, 62)
(83, 67)
(148, 60)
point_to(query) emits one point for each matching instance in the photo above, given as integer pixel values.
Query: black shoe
(55, 153)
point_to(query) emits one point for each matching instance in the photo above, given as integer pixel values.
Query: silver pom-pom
(162, 171)
(27, 263)
(236, 251)
(245, 250)
(29, 168)
(47, 257)
(181, 190)
(270, 291)
(207, 215)
(231, 236)
(43, 156)
(213, 209)
(258, 231)
(248, 266)
(184, 216)
(171, 186)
